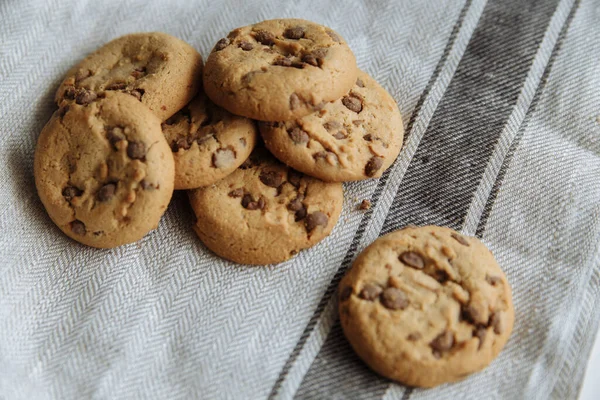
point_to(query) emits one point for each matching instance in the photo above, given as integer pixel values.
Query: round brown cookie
(160, 70)
(355, 137)
(425, 306)
(208, 142)
(279, 69)
(265, 212)
(104, 171)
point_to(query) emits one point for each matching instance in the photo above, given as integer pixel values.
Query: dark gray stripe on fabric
(442, 178)
(517, 140)
(368, 214)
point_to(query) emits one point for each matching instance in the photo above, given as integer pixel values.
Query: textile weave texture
(501, 104)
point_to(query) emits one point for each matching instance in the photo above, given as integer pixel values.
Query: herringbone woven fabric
(501, 104)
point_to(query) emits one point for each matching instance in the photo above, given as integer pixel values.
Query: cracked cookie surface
(160, 70)
(265, 212)
(426, 306)
(355, 137)
(104, 171)
(279, 70)
(208, 142)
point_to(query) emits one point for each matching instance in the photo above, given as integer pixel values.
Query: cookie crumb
(364, 205)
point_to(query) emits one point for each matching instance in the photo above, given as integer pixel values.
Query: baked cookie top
(265, 212)
(279, 69)
(208, 142)
(355, 137)
(104, 171)
(426, 305)
(160, 70)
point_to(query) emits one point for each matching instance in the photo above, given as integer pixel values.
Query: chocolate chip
(138, 72)
(413, 337)
(271, 178)
(368, 137)
(221, 44)
(70, 93)
(115, 135)
(294, 177)
(181, 143)
(364, 205)
(247, 200)
(136, 150)
(373, 165)
(460, 239)
(311, 60)
(394, 299)
(71, 191)
(78, 227)
(412, 259)
(339, 135)
(236, 193)
(352, 103)
(300, 214)
(443, 342)
(441, 276)
(298, 136)
(85, 97)
(295, 33)
(117, 86)
(249, 203)
(294, 101)
(283, 62)
(496, 323)
(315, 219)
(345, 293)
(472, 314)
(370, 291)
(81, 75)
(480, 334)
(246, 46)
(334, 36)
(223, 158)
(106, 192)
(493, 280)
(332, 126)
(296, 204)
(264, 37)
(147, 185)
(137, 93)
(320, 154)
(261, 202)
(360, 83)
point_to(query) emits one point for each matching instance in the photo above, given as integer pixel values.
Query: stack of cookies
(134, 124)
(323, 120)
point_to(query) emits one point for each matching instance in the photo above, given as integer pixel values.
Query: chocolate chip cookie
(355, 137)
(104, 171)
(265, 212)
(279, 70)
(161, 71)
(208, 142)
(426, 306)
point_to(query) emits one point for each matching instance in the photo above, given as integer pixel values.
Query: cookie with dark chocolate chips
(279, 70)
(208, 142)
(104, 171)
(426, 306)
(265, 212)
(157, 69)
(356, 137)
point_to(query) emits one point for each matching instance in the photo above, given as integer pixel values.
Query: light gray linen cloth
(501, 103)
